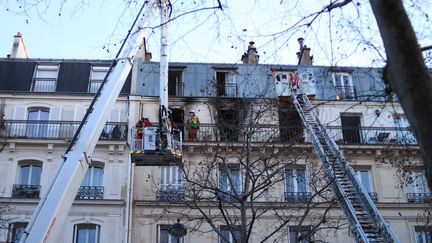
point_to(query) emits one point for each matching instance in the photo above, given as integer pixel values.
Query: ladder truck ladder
(366, 223)
(50, 214)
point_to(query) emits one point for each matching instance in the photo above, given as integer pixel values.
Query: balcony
(262, 133)
(346, 93)
(297, 197)
(58, 129)
(90, 193)
(228, 196)
(25, 191)
(373, 196)
(171, 194)
(44, 85)
(419, 197)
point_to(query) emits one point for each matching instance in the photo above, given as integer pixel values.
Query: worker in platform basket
(143, 122)
(193, 125)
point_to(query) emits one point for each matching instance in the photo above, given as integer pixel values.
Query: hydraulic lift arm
(54, 206)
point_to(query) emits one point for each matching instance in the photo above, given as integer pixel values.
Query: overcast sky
(88, 29)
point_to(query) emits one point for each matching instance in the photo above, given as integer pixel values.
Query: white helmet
(191, 111)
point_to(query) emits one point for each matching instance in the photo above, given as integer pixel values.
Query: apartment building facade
(43, 102)
(246, 118)
(365, 121)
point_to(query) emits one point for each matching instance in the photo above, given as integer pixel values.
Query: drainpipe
(129, 201)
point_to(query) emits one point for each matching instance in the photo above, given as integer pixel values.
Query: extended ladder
(366, 223)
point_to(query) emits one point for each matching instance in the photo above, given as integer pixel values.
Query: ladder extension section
(366, 223)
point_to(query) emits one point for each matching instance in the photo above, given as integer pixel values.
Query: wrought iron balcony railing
(266, 133)
(90, 193)
(44, 85)
(228, 196)
(25, 191)
(419, 197)
(170, 194)
(35, 129)
(346, 93)
(228, 90)
(297, 197)
(373, 196)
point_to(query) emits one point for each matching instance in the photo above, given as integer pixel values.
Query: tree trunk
(407, 72)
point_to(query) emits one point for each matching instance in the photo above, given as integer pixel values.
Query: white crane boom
(51, 212)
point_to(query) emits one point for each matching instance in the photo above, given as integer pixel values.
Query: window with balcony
(404, 133)
(229, 236)
(345, 89)
(175, 82)
(229, 181)
(296, 185)
(86, 233)
(165, 237)
(225, 81)
(28, 181)
(291, 125)
(417, 188)
(15, 231)
(92, 185)
(97, 75)
(423, 234)
(37, 126)
(300, 234)
(45, 78)
(364, 176)
(228, 123)
(171, 184)
(351, 128)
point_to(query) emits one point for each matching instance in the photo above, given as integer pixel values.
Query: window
(28, 181)
(97, 76)
(171, 188)
(404, 133)
(301, 234)
(423, 234)
(15, 231)
(93, 177)
(37, 123)
(229, 121)
(417, 188)
(91, 186)
(229, 181)
(30, 174)
(351, 128)
(165, 237)
(175, 82)
(228, 235)
(296, 185)
(86, 233)
(45, 78)
(225, 83)
(344, 86)
(363, 175)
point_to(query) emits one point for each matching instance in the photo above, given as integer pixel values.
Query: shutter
(79, 113)
(289, 180)
(19, 126)
(54, 125)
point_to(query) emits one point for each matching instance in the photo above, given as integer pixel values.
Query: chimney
(251, 56)
(147, 56)
(303, 55)
(19, 49)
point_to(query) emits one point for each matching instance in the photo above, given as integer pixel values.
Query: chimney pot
(301, 42)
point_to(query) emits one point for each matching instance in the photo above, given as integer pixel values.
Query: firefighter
(193, 125)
